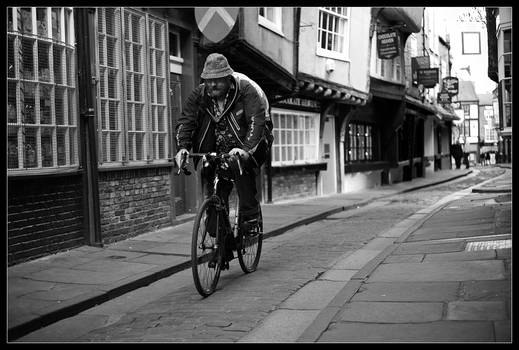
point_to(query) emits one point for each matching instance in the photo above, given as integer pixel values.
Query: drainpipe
(85, 46)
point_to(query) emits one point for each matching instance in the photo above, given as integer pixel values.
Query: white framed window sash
(296, 137)
(133, 123)
(343, 35)
(50, 84)
(275, 23)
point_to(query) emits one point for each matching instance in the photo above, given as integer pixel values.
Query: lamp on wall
(329, 65)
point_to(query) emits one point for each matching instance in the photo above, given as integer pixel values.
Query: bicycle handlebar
(182, 165)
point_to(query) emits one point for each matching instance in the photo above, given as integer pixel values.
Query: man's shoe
(251, 227)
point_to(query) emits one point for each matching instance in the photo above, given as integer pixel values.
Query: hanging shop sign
(419, 62)
(451, 85)
(428, 77)
(444, 97)
(388, 44)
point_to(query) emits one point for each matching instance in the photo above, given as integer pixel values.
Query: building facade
(90, 161)
(504, 52)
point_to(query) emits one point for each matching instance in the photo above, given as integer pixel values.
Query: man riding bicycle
(227, 113)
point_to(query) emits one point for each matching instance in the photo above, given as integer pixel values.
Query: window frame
(463, 52)
(275, 25)
(130, 148)
(55, 126)
(352, 142)
(345, 54)
(310, 149)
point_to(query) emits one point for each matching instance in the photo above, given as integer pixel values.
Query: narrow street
(170, 310)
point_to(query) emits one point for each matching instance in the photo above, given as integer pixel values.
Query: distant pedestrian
(482, 159)
(466, 160)
(487, 158)
(457, 154)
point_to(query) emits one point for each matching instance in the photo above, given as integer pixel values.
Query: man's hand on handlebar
(243, 154)
(182, 159)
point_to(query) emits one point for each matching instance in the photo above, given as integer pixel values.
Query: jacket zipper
(235, 132)
(203, 137)
(235, 122)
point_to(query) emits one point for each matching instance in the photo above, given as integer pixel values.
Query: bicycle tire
(249, 251)
(205, 277)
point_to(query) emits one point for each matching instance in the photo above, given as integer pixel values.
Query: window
(295, 137)
(471, 43)
(389, 69)
(506, 91)
(332, 33)
(359, 143)
(41, 90)
(133, 123)
(466, 110)
(507, 53)
(175, 53)
(271, 18)
(490, 134)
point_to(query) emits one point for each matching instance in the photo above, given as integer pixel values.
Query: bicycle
(212, 247)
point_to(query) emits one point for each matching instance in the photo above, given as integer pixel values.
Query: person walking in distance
(227, 113)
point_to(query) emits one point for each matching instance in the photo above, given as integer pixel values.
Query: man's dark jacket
(244, 112)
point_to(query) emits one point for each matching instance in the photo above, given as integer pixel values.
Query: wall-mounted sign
(216, 22)
(428, 77)
(388, 44)
(451, 85)
(419, 62)
(444, 97)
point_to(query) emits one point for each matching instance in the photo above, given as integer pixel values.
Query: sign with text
(444, 97)
(451, 85)
(419, 62)
(428, 77)
(388, 45)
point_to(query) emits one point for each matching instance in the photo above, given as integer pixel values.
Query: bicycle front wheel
(249, 250)
(205, 260)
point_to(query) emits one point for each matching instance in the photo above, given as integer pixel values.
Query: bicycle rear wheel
(249, 250)
(205, 258)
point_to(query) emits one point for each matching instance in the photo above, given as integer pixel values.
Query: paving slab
(408, 291)
(439, 271)
(313, 296)
(391, 312)
(487, 290)
(460, 256)
(429, 248)
(440, 331)
(357, 259)
(477, 310)
(281, 325)
(338, 275)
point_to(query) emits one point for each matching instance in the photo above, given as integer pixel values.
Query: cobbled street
(170, 310)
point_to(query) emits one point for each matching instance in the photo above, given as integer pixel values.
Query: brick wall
(134, 201)
(290, 183)
(44, 216)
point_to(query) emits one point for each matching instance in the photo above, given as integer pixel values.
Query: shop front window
(295, 137)
(41, 105)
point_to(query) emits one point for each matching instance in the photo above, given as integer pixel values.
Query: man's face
(217, 87)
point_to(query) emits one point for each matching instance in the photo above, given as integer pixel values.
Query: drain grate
(488, 245)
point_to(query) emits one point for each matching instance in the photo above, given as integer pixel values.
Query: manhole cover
(488, 245)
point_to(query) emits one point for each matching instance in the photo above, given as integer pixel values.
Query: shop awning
(314, 87)
(425, 107)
